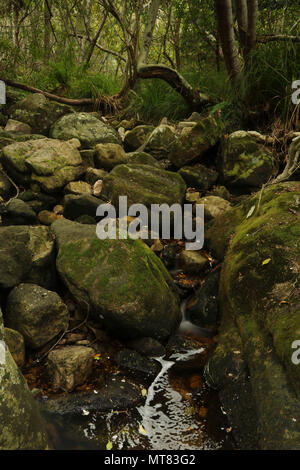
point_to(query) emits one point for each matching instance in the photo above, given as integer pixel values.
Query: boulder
(147, 347)
(16, 127)
(27, 254)
(84, 205)
(136, 137)
(7, 190)
(159, 141)
(123, 282)
(18, 212)
(143, 184)
(198, 177)
(87, 128)
(37, 313)
(142, 158)
(16, 345)
(78, 188)
(38, 112)
(213, 206)
(94, 174)
(69, 367)
(192, 261)
(245, 161)
(194, 142)
(134, 363)
(259, 306)
(22, 427)
(48, 163)
(107, 156)
(203, 308)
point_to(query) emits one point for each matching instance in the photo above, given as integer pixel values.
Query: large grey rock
(143, 184)
(198, 177)
(259, 306)
(48, 163)
(159, 141)
(87, 128)
(38, 112)
(123, 282)
(27, 254)
(136, 137)
(22, 427)
(194, 142)
(246, 161)
(37, 313)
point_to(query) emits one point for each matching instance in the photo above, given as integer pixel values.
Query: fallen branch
(277, 37)
(194, 98)
(100, 102)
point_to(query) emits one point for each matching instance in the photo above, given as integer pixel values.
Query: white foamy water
(164, 416)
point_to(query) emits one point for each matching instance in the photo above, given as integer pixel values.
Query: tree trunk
(47, 30)
(252, 26)
(242, 19)
(226, 32)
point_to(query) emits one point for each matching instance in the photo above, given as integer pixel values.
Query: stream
(179, 413)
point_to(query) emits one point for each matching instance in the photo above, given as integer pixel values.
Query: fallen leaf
(142, 430)
(250, 212)
(109, 445)
(144, 392)
(266, 261)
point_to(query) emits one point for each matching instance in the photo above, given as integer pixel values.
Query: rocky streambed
(98, 352)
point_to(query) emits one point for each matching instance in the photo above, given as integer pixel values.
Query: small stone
(97, 188)
(58, 209)
(47, 217)
(192, 261)
(78, 188)
(70, 366)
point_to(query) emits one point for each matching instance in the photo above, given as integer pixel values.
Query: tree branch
(277, 37)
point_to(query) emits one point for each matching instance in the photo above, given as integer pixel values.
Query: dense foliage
(85, 48)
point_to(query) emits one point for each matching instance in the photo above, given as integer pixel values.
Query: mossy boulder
(199, 177)
(246, 161)
(143, 184)
(87, 128)
(107, 156)
(259, 297)
(195, 141)
(142, 158)
(159, 141)
(122, 283)
(38, 112)
(22, 427)
(48, 163)
(136, 137)
(27, 254)
(16, 345)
